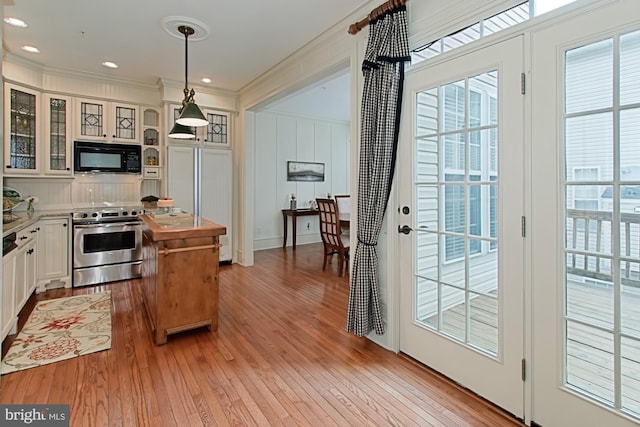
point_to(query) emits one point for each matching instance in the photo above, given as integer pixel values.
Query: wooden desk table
(294, 214)
(345, 219)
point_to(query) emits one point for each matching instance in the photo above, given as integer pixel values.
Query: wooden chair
(343, 201)
(330, 232)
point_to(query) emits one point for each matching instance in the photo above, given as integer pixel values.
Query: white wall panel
(287, 150)
(323, 147)
(280, 138)
(305, 142)
(266, 179)
(101, 189)
(52, 194)
(340, 159)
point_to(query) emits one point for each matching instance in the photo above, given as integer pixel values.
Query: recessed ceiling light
(206, 80)
(16, 22)
(30, 49)
(110, 64)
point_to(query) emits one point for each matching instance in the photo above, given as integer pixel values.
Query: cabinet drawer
(26, 235)
(151, 172)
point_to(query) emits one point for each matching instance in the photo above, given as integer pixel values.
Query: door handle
(405, 229)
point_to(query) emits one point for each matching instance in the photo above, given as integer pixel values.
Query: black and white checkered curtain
(383, 69)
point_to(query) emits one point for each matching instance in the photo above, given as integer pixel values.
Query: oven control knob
(84, 215)
(95, 214)
(125, 213)
(134, 213)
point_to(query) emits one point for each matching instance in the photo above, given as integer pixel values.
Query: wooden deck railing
(589, 245)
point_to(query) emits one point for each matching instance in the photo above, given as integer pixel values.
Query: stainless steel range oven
(107, 245)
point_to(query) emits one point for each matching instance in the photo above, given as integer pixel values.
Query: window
(485, 27)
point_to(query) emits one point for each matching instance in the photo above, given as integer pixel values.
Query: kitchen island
(180, 272)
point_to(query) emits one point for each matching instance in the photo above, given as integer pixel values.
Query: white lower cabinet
(18, 278)
(25, 274)
(42, 258)
(8, 315)
(53, 253)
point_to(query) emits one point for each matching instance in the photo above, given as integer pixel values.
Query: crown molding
(74, 74)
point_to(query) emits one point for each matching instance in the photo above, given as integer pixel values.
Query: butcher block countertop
(170, 226)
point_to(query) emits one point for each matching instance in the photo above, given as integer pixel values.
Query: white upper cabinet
(215, 134)
(107, 121)
(151, 140)
(21, 130)
(57, 135)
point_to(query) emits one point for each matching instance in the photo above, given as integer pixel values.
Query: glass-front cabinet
(107, 121)
(215, 134)
(57, 134)
(151, 153)
(21, 128)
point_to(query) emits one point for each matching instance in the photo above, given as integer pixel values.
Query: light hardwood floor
(280, 357)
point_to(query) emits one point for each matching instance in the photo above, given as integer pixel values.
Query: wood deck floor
(590, 351)
(280, 357)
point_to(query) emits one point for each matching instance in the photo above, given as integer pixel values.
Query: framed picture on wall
(305, 171)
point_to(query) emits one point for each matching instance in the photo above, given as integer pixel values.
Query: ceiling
(245, 37)
(327, 99)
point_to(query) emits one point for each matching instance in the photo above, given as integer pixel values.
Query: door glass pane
(589, 143)
(630, 68)
(22, 153)
(125, 123)
(590, 360)
(427, 303)
(483, 327)
(630, 144)
(602, 224)
(217, 128)
(454, 317)
(630, 380)
(453, 104)
(594, 89)
(457, 185)
(58, 134)
(91, 118)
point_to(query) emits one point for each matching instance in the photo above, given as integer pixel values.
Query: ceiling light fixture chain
(188, 96)
(190, 113)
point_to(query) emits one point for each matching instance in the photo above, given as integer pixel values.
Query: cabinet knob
(8, 166)
(113, 136)
(64, 225)
(68, 169)
(104, 135)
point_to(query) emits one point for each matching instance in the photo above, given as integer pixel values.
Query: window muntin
(485, 27)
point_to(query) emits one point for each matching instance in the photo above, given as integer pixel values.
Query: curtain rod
(375, 14)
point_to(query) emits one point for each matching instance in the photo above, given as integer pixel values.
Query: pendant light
(191, 115)
(179, 131)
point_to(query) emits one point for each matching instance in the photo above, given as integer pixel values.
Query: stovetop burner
(107, 214)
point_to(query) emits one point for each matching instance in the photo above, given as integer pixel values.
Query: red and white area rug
(61, 329)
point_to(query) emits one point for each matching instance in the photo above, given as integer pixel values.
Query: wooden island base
(180, 274)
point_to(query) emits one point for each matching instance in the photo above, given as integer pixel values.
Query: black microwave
(106, 157)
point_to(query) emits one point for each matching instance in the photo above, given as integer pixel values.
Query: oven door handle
(103, 224)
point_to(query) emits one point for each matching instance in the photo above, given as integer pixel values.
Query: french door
(586, 219)
(461, 194)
